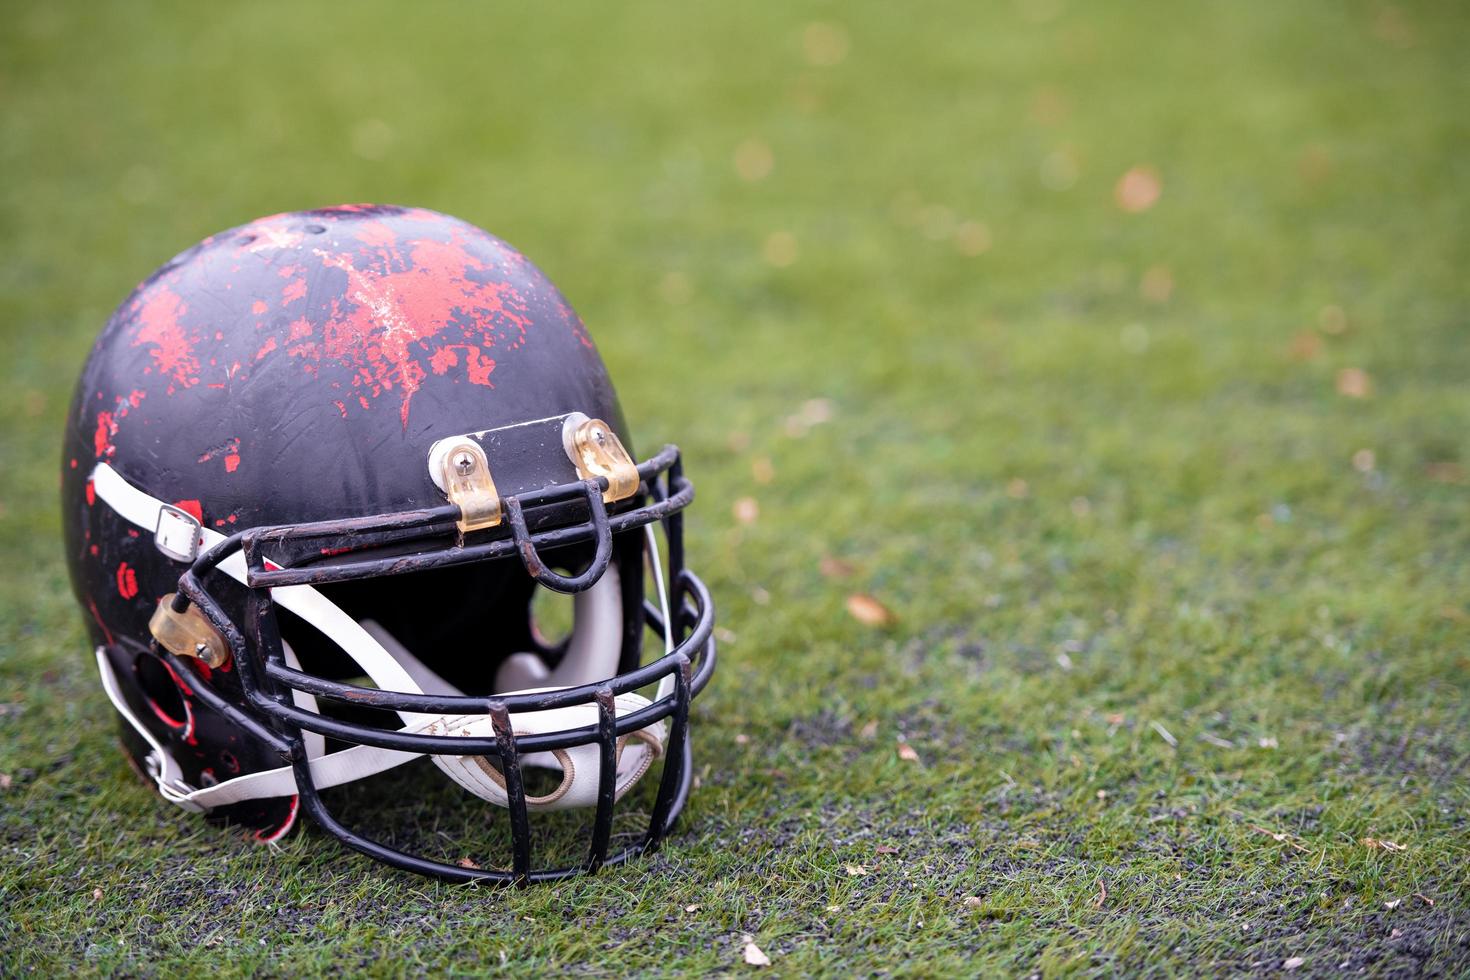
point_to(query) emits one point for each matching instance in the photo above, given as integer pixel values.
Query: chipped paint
(172, 348)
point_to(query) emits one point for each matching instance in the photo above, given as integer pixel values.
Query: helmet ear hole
(161, 689)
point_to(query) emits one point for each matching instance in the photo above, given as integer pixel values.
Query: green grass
(1102, 510)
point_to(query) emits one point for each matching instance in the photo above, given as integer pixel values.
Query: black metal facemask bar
(311, 554)
(268, 681)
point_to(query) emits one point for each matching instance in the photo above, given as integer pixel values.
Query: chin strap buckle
(187, 633)
(468, 485)
(596, 451)
(178, 533)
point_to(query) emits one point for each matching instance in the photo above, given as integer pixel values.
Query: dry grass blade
(1281, 838)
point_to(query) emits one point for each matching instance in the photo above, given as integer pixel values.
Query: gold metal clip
(468, 484)
(599, 452)
(187, 633)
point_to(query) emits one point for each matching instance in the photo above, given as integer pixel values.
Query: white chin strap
(592, 655)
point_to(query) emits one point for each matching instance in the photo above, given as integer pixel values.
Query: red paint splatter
(259, 307)
(97, 618)
(91, 493)
(127, 581)
(395, 313)
(106, 429)
(191, 507)
(266, 348)
(375, 234)
(232, 462)
(293, 291)
(477, 366)
(173, 350)
(73, 464)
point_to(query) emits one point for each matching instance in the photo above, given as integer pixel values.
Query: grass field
(1117, 352)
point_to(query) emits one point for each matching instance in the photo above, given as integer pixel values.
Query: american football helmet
(320, 472)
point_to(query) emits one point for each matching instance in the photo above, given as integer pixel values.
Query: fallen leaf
(1393, 904)
(97, 894)
(869, 611)
(1354, 383)
(1305, 346)
(1395, 934)
(885, 849)
(780, 249)
(869, 731)
(742, 739)
(693, 908)
(1157, 284)
(1049, 105)
(1138, 189)
(855, 870)
(824, 44)
(746, 510)
(815, 411)
(753, 160)
(972, 238)
(1443, 472)
(1384, 845)
(836, 567)
(973, 901)
(1293, 963)
(1424, 898)
(467, 863)
(906, 752)
(834, 908)
(1102, 894)
(753, 954)
(5, 780)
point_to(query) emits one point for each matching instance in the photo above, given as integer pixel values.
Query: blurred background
(1039, 363)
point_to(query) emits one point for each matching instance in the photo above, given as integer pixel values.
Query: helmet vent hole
(157, 683)
(551, 618)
